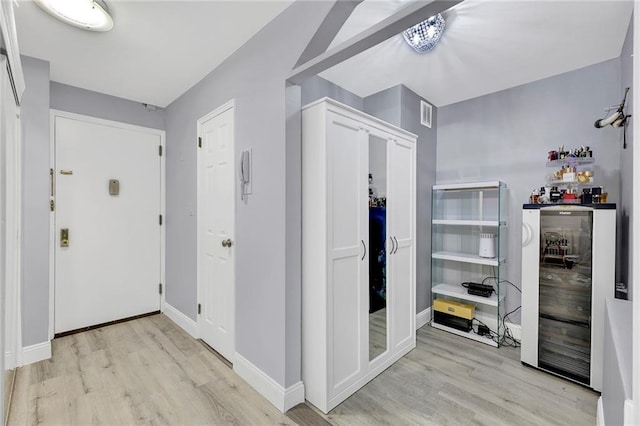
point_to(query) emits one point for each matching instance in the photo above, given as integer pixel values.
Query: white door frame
(13, 203)
(52, 231)
(226, 106)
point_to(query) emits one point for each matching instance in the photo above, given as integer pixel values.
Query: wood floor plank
(150, 372)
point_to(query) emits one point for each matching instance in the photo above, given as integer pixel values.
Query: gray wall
(506, 136)
(400, 106)
(386, 105)
(86, 102)
(254, 76)
(35, 202)
(316, 87)
(425, 179)
(625, 253)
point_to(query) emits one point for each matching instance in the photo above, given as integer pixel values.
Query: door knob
(227, 243)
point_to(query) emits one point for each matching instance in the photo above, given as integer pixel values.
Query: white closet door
(347, 266)
(401, 211)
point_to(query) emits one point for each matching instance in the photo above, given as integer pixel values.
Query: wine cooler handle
(527, 234)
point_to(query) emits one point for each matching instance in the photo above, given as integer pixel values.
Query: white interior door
(401, 208)
(111, 267)
(348, 247)
(216, 222)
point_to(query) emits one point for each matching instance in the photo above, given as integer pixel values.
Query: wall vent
(425, 113)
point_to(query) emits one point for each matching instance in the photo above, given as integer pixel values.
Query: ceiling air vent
(425, 114)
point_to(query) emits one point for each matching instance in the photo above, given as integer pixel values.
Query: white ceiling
(156, 51)
(487, 46)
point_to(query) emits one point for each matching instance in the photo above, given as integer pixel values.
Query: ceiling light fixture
(92, 15)
(424, 36)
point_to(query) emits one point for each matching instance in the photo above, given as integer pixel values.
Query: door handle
(64, 237)
(527, 234)
(365, 249)
(227, 242)
(396, 240)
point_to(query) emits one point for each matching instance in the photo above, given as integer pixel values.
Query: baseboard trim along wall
(35, 353)
(423, 318)
(599, 413)
(183, 321)
(283, 399)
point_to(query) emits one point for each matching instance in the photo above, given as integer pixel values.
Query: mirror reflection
(377, 238)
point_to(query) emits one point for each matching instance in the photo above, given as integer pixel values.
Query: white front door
(216, 213)
(109, 266)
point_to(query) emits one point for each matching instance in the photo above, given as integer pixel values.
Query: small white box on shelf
(487, 246)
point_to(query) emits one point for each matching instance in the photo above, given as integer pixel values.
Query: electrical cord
(507, 339)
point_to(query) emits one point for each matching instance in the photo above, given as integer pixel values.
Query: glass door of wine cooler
(564, 335)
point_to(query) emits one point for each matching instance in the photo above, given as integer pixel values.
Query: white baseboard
(183, 321)
(282, 398)
(423, 318)
(516, 330)
(35, 353)
(628, 412)
(599, 413)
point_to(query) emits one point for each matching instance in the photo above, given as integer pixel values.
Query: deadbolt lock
(64, 237)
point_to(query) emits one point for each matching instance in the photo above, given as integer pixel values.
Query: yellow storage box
(451, 307)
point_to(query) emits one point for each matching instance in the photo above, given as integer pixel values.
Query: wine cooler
(568, 269)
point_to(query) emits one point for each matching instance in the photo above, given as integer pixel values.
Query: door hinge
(52, 205)
(160, 150)
(199, 142)
(160, 219)
(199, 309)
(160, 288)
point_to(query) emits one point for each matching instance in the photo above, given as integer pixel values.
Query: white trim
(230, 104)
(52, 221)
(53, 113)
(35, 353)
(163, 212)
(293, 395)
(13, 228)
(283, 399)
(516, 330)
(634, 284)
(599, 413)
(423, 318)
(628, 412)
(181, 320)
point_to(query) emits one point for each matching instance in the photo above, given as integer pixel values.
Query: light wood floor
(449, 380)
(148, 371)
(145, 371)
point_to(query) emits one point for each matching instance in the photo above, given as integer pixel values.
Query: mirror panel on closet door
(378, 323)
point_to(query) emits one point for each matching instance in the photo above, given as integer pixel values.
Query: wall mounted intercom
(245, 173)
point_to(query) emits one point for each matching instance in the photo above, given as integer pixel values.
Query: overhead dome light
(86, 14)
(424, 36)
